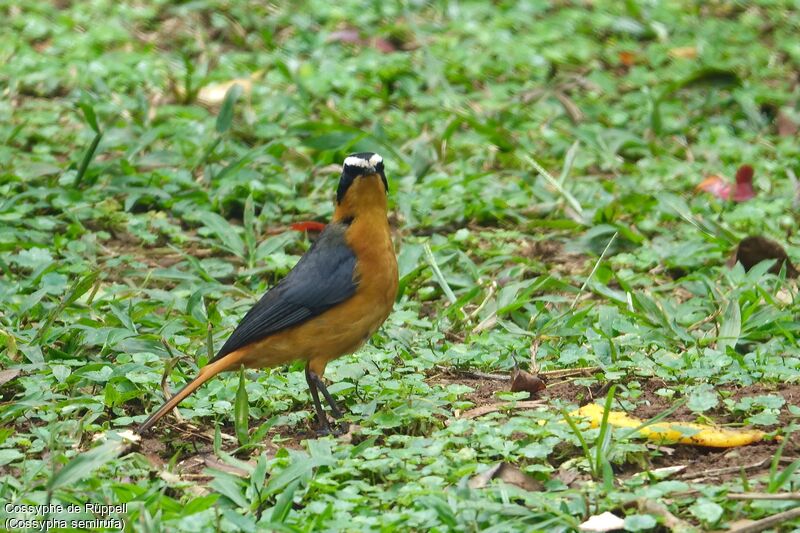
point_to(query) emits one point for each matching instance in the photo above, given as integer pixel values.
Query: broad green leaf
(731, 326)
(226, 233)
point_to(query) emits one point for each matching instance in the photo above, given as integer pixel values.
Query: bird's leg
(335, 411)
(316, 384)
(324, 426)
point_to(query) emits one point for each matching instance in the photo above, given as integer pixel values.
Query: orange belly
(338, 331)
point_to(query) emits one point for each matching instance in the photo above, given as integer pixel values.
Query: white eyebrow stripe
(375, 160)
(356, 162)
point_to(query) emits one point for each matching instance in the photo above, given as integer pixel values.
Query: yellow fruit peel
(673, 432)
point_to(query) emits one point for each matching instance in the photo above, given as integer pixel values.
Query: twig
(489, 294)
(569, 372)
(189, 429)
(768, 522)
(486, 409)
(571, 200)
(475, 374)
(534, 349)
(764, 496)
(721, 471)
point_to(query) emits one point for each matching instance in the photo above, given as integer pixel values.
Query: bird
(334, 299)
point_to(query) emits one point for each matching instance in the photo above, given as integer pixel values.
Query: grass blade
(241, 411)
(571, 200)
(437, 273)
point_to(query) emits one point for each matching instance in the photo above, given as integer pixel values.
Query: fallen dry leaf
(505, 472)
(244, 468)
(744, 184)
(683, 52)
(213, 94)
(740, 191)
(667, 519)
(353, 431)
(785, 125)
(627, 58)
(527, 382)
(755, 248)
(600, 523)
(353, 36)
(702, 434)
(716, 186)
(8, 375)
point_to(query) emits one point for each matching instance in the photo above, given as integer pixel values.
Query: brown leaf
(573, 111)
(627, 58)
(525, 381)
(8, 375)
(382, 45)
(508, 473)
(755, 248)
(567, 476)
(237, 470)
(353, 36)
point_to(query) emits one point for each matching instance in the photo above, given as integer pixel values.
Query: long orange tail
(206, 373)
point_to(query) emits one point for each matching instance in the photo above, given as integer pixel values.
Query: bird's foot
(337, 430)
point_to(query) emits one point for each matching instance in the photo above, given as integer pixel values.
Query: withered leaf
(755, 248)
(508, 473)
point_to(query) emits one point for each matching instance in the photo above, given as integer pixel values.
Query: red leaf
(309, 225)
(744, 174)
(353, 36)
(347, 35)
(744, 184)
(741, 191)
(383, 46)
(716, 186)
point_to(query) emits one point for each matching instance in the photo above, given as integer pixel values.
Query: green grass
(137, 226)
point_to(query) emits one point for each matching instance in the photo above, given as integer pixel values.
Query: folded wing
(321, 279)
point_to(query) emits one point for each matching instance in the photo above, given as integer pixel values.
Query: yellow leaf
(214, 93)
(673, 432)
(683, 52)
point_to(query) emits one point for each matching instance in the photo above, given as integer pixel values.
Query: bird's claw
(337, 430)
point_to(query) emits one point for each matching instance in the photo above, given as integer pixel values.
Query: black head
(362, 164)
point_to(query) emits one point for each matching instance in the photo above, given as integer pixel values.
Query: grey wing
(321, 279)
